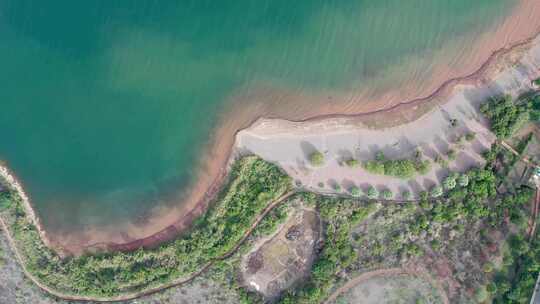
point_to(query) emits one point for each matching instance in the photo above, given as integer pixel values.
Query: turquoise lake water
(106, 105)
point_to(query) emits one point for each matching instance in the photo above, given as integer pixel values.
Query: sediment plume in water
(419, 79)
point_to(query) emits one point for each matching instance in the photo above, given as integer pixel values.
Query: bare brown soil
(277, 263)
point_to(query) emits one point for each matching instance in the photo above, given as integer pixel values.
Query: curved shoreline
(216, 181)
(442, 91)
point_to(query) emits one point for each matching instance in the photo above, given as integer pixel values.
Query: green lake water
(106, 105)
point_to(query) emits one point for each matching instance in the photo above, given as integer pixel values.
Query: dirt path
(388, 272)
(136, 295)
(513, 151)
(535, 207)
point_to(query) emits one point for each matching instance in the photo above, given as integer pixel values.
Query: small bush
(372, 193)
(449, 183)
(481, 295)
(352, 163)
(441, 161)
(488, 267)
(463, 180)
(436, 191)
(470, 136)
(374, 167)
(423, 167)
(406, 195)
(316, 159)
(491, 288)
(355, 191)
(387, 194)
(451, 154)
(379, 156)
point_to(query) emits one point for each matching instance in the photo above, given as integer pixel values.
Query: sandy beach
(489, 65)
(289, 144)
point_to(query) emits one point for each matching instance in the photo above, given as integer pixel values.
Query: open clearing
(277, 263)
(395, 289)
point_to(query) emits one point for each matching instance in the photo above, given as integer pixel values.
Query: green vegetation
(535, 109)
(406, 195)
(423, 167)
(451, 155)
(402, 168)
(470, 136)
(253, 185)
(450, 182)
(355, 191)
(353, 163)
(481, 294)
(436, 191)
(463, 180)
(316, 159)
(340, 216)
(1, 257)
(387, 194)
(372, 193)
(505, 116)
(515, 283)
(441, 161)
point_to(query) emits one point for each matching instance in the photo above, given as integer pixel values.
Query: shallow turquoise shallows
(106, 105)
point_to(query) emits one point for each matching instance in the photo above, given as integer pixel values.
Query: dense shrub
(402, 168)
(505, 116)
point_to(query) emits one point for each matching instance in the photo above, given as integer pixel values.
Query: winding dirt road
(132, 296)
